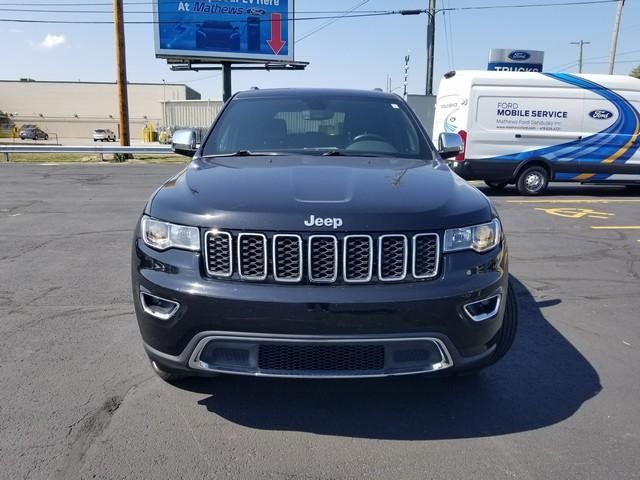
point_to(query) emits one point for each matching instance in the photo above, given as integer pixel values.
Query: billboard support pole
(226, 81)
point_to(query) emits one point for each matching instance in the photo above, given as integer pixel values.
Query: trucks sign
(505, 60)
(241, 30)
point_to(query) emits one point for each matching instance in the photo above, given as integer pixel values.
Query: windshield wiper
(343, 153)
(242, 153)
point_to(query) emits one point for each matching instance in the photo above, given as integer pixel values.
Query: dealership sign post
(505, 60)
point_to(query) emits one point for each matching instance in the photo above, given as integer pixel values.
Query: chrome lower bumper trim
(247, 347)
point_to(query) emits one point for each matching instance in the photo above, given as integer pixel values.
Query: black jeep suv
(319, 233)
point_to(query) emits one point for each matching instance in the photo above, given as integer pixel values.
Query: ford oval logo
(601, 114)
(519, 56)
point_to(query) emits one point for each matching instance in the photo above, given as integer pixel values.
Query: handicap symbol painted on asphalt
(575, 212)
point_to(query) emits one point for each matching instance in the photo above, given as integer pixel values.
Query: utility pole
(121, 66)
(614, 37)
(581, 44)
(431, 36)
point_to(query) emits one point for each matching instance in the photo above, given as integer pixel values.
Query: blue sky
(357, 53)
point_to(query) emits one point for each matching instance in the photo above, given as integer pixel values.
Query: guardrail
(6, 150)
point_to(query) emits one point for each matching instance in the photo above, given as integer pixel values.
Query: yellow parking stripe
(617, 227)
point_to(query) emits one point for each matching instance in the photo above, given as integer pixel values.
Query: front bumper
(486, 169)
(244, 317)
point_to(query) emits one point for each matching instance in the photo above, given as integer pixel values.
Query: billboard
(240, 30)
(505, 60)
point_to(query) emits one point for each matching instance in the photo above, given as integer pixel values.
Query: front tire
(533, 180)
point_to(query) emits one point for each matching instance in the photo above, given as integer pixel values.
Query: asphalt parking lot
(78, 399)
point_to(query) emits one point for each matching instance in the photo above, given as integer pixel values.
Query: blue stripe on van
(611, 145)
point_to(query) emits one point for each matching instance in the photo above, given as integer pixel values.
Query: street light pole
(581, 45)
(405, 82)
(614, 37)
(431, 35)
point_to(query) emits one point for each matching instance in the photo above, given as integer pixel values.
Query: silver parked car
(33, 133)
(103, 135)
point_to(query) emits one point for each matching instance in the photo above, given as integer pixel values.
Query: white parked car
(103, 135)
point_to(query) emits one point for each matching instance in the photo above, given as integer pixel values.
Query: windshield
(316, 125)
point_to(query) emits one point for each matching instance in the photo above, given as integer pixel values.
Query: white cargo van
(531, 128)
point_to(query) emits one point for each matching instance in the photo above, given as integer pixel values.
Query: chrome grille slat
(252, 256)
(322, 258)
(218, 253)
(392, 257)
(322, 254)
(426, 255)
(357, 258)
(287, 258)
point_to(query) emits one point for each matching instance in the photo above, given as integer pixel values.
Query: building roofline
(71, 82)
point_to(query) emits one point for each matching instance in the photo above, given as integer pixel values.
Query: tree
(635, 72)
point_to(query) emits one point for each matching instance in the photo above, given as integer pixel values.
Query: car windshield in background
(317, 125)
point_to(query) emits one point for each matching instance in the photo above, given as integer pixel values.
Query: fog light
(157, 306)
(484, 309)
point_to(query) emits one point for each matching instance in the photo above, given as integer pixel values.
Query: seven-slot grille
(322, 258)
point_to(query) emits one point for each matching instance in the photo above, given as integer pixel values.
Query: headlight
(479, 237)
(163, 235)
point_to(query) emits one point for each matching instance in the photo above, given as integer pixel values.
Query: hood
(275, 193)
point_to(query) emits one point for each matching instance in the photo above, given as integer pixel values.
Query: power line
(331, 22)
(182, 22)
(336, 17)
(20, 8)
(587, 59)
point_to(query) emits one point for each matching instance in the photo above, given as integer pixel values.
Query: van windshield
(318, 124)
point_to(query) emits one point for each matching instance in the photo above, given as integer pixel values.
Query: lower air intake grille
(320, 358)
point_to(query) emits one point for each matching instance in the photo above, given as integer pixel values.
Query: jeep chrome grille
(392, 257)
(252, 256)
(322, 258)
(287, 258)
(218, 253)
(357, 258)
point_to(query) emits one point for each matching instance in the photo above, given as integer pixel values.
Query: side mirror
(450, 145)
(184, 142)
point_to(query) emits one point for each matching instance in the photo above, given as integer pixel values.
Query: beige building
(72, 110)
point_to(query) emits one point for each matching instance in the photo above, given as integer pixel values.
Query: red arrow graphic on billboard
(275, 42)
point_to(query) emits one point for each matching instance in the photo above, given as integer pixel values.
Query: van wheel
(495, 185)
(532, 180)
